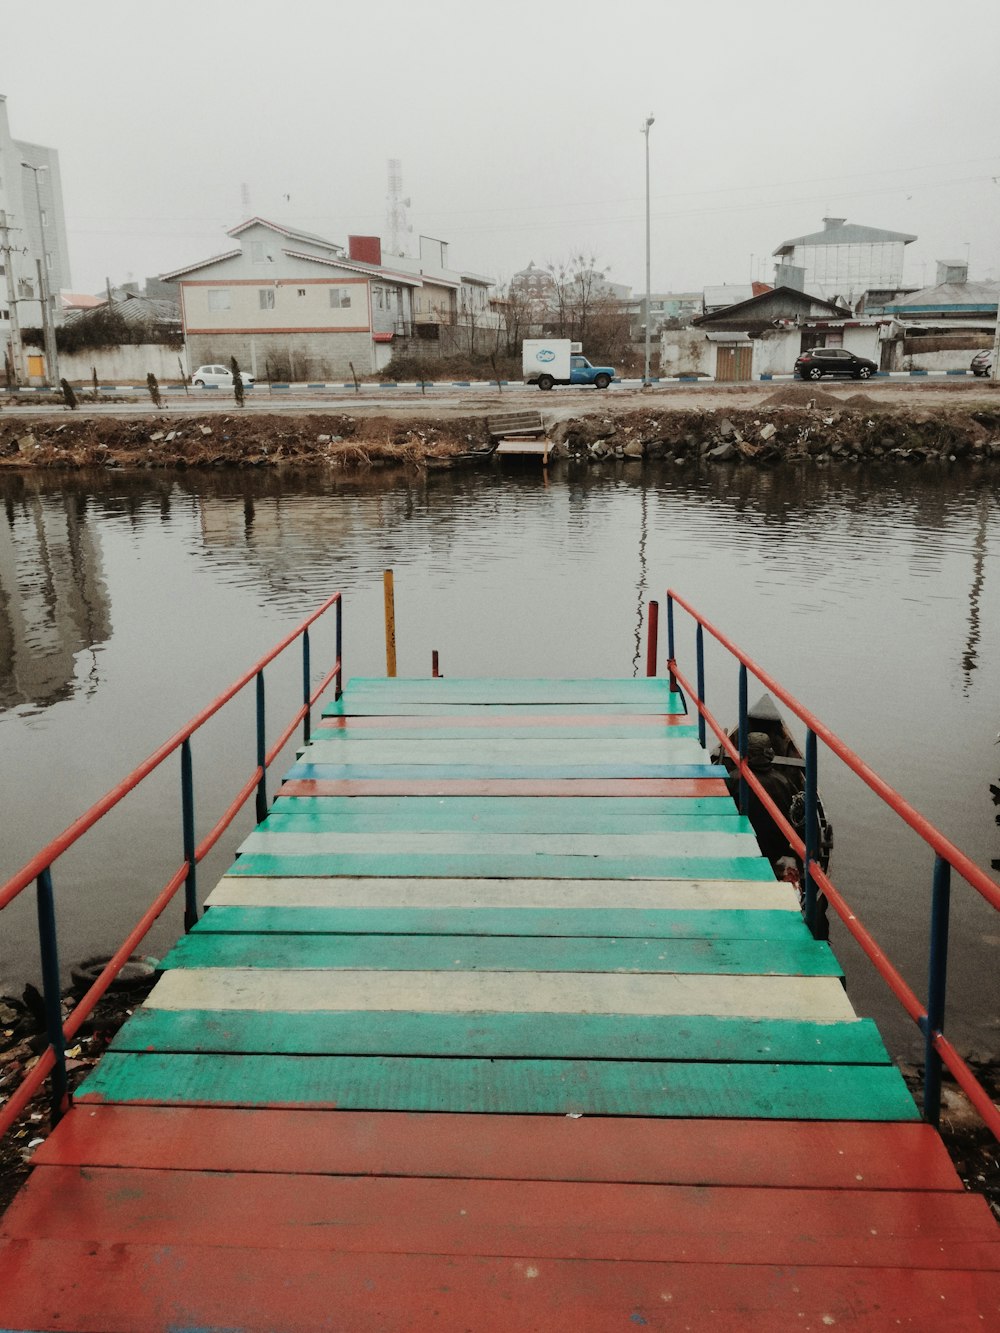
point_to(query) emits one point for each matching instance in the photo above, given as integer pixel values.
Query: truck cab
(582, 372)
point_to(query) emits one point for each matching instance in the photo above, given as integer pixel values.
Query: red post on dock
(654, 626)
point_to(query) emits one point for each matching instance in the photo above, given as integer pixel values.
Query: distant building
(534, 284)
(289, 304)
(845, 259)
(36, 232)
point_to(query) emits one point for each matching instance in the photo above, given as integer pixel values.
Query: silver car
(219, 376)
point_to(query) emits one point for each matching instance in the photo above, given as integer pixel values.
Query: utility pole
(49, 333)
(645, 364)
(16, 356)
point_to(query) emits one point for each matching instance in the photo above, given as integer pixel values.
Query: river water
(126, 603)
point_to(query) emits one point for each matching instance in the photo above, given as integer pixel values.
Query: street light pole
(645, 364)
(48, 332)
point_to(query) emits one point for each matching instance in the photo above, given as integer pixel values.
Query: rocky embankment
(796, 424)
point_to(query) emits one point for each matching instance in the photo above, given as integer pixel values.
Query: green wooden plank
(513, 866)
(435, 953)
(490, 690)
(565, 922)
(517, 814)
(514, 1087)
(489, 749)
(624, 730)
(554, 1036)
(375, 706)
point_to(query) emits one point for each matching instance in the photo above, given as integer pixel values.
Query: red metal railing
(948, 857)
(39, 869)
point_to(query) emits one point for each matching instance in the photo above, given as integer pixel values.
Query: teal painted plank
(558, 922)
(624, 730)
(370, 706)
(334, 748)
(449, 953)
(488, 690)
(515, 814)
(513, 1087)
(411, 864)
(538, 772)
(565, 1036)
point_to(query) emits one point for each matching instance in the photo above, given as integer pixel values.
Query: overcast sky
(518, 125)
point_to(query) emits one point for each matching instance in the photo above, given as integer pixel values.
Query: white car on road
(219, 376)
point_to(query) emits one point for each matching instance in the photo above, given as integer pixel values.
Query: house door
(36, 367)
(733, 361)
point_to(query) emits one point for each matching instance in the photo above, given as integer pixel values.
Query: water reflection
(866, 593)
(54, 603)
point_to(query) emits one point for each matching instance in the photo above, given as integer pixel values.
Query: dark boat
(778, 764)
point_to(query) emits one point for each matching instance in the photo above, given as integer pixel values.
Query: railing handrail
(52, 1060)
(63, 841)
(929, 1018)
(966, 867)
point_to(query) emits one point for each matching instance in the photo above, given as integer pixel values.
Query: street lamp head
(650, 119)
(31, 166)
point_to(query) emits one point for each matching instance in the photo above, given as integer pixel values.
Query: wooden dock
(499, 1022)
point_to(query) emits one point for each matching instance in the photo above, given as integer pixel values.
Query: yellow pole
(390, 624)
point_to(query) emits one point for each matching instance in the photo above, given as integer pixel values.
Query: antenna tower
(396, 206)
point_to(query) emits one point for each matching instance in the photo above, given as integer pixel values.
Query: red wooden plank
(551, 1220)
(833, 1155)
(498, 722)
(504, 787)
(133, 1289)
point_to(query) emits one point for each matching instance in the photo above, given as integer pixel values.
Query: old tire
(545, 381)
(601, 381)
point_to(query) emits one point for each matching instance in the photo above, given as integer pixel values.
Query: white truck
(548, 361)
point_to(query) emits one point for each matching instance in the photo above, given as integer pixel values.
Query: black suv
(833, 361)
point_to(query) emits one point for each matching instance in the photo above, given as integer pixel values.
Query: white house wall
(300, 305)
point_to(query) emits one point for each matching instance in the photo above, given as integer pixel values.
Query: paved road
(475, 398)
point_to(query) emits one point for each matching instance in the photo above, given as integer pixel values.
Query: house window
(300, 291)
(219, 298)
(45, 218)
(48, 261)
(266, 297)
(340, 298)
(379, 298)
(257, 254)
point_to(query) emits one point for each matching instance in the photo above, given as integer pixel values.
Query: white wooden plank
(718, 895)
(500, 844)
(818, 999)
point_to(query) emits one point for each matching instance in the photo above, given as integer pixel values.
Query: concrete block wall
(287, 356)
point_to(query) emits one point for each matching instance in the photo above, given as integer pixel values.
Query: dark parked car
(833, 361)
(982, 363)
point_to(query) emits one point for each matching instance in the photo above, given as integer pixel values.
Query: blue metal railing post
(49, 949)
(261, 751)
(671, 655)
(187, 824)
(937, 985)
(809, 833)
(340, 642)
(744, 794)
(700, 647)
(307, 720)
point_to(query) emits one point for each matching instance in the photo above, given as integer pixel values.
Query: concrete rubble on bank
(794, 425)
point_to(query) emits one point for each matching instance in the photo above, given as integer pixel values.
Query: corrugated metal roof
(202, 263)
(850, 233)
(949, 295)
(293, 233)
(368, 269)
